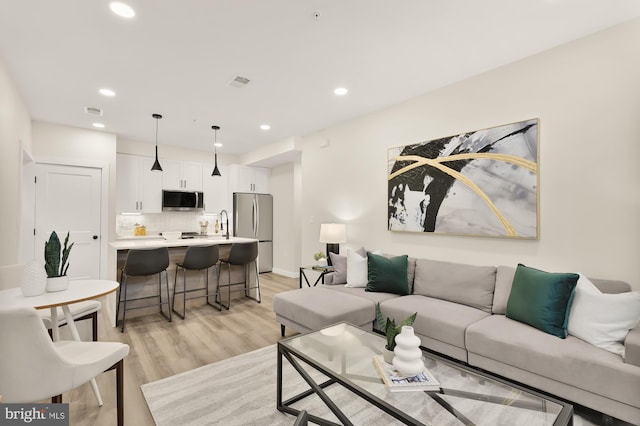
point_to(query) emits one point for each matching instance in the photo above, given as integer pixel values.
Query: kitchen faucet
(226, 215)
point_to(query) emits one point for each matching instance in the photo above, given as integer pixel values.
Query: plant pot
(322, 262)
(388, 355)
(34, 279)
(57, 283)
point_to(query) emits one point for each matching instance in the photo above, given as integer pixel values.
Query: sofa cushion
(603, 319)
(570, 361)
(411, 269)
(357, 268)
(387, 274)
(541, 299)
(317, 307)
(440, 319)
(456, 282)
(339, 263)
(360, 292)
(504, 279)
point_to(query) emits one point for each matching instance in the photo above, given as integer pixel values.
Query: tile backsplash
(166, 221)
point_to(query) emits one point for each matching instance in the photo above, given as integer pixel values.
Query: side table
(322, 270)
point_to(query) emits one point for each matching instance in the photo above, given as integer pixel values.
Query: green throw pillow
(387, 274)
(541, 299)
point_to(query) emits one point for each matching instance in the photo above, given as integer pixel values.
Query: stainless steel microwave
(182, 201)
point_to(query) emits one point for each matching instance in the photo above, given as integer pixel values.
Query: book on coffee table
(396, 382)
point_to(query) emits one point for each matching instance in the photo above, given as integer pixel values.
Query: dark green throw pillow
(387, 274)
(542, 299)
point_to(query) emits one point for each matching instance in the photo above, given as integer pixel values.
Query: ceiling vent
(93, 111)
(239, 81)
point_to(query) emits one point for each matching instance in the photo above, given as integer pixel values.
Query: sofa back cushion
(456, 282)
(504, 280)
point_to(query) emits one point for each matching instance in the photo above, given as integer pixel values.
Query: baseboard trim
(286, 273)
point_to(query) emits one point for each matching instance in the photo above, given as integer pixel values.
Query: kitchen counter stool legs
(242, 254)
(143, 262)
(197, 258)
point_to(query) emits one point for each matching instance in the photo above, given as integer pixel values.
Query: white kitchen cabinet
(138, 188)
(181, 175)
(249, 179)
(215, 188)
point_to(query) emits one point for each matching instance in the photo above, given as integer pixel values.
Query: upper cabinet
(215, 189)
(138, 188)
(181, 175)
(248, 179)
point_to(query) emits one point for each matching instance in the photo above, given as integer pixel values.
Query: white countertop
(160, 242)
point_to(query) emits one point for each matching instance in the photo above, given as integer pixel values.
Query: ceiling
(176, 57)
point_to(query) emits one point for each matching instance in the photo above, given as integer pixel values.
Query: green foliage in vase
(389, 327)
(56, 258)
(319, 255)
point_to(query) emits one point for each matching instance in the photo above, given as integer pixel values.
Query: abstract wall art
(481, 183)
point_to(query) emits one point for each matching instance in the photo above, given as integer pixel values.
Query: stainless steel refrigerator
(253, 218)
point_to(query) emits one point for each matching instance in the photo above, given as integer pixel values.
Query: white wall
(286, 227)
(72, 145)
(15, 135)
(587, 97)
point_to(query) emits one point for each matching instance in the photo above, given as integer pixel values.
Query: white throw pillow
(357, 269)
(603, 319)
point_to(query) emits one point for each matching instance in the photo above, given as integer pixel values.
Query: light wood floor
(160, 349)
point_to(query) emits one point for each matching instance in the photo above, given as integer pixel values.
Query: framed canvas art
(481, 183)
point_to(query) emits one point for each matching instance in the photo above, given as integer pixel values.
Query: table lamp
(333, 234)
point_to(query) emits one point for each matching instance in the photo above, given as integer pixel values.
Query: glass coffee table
(330, 374)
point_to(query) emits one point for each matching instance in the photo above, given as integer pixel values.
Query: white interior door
(68, 199)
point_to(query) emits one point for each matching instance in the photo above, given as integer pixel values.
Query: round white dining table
(78, 291)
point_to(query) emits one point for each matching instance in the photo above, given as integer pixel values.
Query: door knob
(95, 237)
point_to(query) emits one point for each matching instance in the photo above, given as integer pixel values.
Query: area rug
(242, 391)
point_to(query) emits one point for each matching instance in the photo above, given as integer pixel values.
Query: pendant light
(215, 172)
(156, 164)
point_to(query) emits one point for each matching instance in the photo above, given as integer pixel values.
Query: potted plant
(321, 258)
(391, 330)
(56, 262)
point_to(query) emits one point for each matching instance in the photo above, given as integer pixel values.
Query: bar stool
(197, 258)
(240, 254)
(144, 262)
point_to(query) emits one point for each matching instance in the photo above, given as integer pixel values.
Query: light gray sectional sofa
(461, 313)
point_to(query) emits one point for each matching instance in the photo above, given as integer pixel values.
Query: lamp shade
(333, 233)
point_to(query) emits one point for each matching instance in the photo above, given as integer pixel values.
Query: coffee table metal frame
(292, 355)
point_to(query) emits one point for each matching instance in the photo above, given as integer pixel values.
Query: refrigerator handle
(257, 203)
(254, 217)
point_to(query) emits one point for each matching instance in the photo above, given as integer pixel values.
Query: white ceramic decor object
(34, 279)
(57, 283)
(408, 358)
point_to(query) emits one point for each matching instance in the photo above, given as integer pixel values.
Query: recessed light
(218, 144)
(122, 9)
(107, 92)
(265, 126)
(341, 91)
(98, 125)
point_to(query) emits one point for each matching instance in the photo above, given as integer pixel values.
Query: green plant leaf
(408, 321)
(52, 255)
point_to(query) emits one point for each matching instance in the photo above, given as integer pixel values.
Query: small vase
(57, 283)
(322, 262)
(387, 355)
(408, 356)
(34, 279)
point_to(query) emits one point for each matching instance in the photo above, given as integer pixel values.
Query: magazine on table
(396, 382)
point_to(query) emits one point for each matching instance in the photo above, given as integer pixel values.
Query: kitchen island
(143, 286)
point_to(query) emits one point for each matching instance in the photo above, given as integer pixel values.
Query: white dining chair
(33, 367)
(11, 276)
